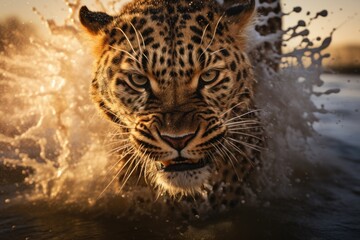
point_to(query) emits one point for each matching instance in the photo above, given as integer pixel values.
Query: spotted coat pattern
(168, 69)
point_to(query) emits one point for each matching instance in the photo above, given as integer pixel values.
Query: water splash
(50, 129)
(285, 98)
(50, 125)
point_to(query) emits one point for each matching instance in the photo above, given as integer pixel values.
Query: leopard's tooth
(166, 163)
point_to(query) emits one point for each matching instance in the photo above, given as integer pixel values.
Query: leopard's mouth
(180, 164)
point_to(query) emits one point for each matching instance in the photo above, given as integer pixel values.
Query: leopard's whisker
(128, 40)
(142, 39)
(124, 51)
(203, 34)
(116, 140)
(242, 153)
(243, 128)
(138, 40)
(230, 109)
(125, 180)
(243, 123)
(213, 158)
(246, 134)
(201, 41)
(142, 167)
(213, 36)
(137, 37)
(121, 158)
(112, 180)
(146, 167)
(249, 145)
(219, 50)
(132, 159)
(122, 134)
(230, 157)
(242, 115)
(118, 149)
(127, 175)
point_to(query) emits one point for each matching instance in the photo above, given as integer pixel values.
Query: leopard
(175, 78)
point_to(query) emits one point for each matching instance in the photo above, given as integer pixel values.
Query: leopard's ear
(239, 13)
(239, 16)
(94, 22)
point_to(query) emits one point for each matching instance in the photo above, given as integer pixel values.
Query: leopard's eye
(209, 76)
(138, 80)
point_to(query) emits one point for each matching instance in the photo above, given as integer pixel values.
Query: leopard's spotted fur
(174, 76)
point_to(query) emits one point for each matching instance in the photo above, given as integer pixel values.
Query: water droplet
(301, 23)
(323, 13)
(297, 9)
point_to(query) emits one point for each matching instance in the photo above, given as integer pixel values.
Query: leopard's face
(169, 76)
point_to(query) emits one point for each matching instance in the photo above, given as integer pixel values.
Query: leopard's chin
(182, 179)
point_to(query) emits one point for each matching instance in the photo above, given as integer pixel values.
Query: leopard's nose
(178, 142)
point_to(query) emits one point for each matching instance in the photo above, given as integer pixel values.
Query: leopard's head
(170, 74)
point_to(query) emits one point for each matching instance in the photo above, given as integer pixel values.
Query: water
(55, 153)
